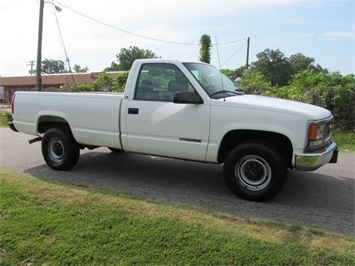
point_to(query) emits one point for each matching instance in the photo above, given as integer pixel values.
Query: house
(52, 82)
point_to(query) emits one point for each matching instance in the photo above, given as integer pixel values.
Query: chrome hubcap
(253, 172)
(56, 150)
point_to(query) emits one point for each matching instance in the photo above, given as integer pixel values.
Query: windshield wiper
(225, 92)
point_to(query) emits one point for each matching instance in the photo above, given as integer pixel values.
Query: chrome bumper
(314, 160)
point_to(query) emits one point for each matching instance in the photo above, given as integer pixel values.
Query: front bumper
(314, 160)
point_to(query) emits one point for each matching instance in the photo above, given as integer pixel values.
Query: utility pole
(248, 44)
(39, 48)
(31, 63)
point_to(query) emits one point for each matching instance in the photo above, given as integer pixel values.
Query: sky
(93, 32)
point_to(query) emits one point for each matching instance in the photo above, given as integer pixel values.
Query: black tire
(59, 149)
(255, 171)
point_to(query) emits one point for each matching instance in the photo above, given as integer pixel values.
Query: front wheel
(255, 171)
(59, 149)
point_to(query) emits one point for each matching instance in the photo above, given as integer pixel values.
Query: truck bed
(92, 117)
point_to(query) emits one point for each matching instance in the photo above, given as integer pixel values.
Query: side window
(160, 82)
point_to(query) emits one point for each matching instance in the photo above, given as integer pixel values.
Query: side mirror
(187, 97)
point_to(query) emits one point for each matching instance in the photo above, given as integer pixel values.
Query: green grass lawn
(346, 141)
(56, 224)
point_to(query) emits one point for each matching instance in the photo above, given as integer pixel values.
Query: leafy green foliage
(79, 69)
(234, 74)
(274, 65)
(51, 66)
(105, 82)
(126, 58)
(329, 90)
(300, 62)
(253, 82)
(121, 80)
(343, 98)
(205, 48)
(5, 117)
(309, 83)
(88, 87)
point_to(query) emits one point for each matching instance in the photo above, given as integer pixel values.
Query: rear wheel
(59, 149)
(255, 171)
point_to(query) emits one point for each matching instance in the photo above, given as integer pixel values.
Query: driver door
(155, 125)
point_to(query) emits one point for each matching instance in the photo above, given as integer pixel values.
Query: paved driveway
(322, 199)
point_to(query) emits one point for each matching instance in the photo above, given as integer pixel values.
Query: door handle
(133, 111)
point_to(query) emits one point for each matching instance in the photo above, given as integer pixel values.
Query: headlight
(316, 133)
(319, 132)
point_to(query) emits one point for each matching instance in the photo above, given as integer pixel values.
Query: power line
(224, 43)
(135, 34)
(122, 30)
(65, 50)
(234, 53)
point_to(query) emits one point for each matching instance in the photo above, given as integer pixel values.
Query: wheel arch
(46, 122)
(236, 137)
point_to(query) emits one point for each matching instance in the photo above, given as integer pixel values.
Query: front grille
(328, 130)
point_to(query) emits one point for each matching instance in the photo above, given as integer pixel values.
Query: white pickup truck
(188, 111)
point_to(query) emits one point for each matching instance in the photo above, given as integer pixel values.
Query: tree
(79, 69)
(127, 56)
(275, 67)
(300, 62)
(50, 66)
(114, 67)
(205, 48)
(234, 74)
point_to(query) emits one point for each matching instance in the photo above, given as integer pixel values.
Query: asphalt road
(323, 199)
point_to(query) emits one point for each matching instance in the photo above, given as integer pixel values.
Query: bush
(105, 82)
(326, 89)
(254, 82)
(5, 117)
(329, 90)
(82, 87)
(122, 80)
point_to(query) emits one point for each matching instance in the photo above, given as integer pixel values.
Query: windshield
(214, 82)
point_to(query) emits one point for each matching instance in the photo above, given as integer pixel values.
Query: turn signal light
(313, 132)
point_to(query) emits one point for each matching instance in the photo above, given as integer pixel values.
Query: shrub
(122, 80)
(105, 82)
(5, 117)
(326, 89)
(254, 82)
(329, 90)
(82, 87)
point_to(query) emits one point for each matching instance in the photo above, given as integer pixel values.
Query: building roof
(57, 79)
(53, 79)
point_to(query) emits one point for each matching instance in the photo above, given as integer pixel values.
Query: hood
(276, 105)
